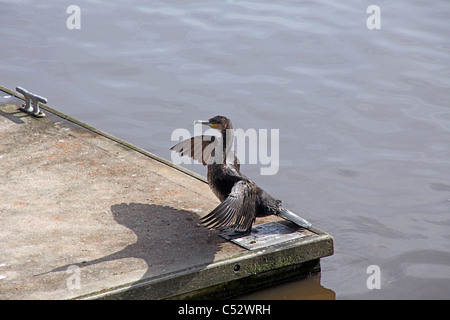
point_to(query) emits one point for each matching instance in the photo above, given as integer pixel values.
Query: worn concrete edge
(187, 281)
(239, 287)
(111, 137)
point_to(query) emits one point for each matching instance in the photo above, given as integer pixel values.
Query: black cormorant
(242, 200)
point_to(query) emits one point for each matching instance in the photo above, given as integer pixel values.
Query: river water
(363, 114)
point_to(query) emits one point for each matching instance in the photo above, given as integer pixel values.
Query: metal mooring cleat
(32, 101)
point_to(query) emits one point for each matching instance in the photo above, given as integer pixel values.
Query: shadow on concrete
(14, 116)
(168, 240)
(9, 107)
(167, 237)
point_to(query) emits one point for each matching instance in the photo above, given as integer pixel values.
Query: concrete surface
(85, 215)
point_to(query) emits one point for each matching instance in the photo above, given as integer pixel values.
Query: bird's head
(220, 123)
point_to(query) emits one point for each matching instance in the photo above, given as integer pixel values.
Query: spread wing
(199, 148)
(237, 211)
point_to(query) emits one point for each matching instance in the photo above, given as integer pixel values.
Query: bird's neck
(228, 140)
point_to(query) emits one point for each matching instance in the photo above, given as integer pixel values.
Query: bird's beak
(212, 125)
(201, 122)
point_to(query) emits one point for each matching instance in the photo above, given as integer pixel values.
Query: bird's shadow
(168, 239)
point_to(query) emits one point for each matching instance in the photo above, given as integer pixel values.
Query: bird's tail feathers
(288, 215)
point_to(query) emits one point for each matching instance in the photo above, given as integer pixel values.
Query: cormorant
(242, 200)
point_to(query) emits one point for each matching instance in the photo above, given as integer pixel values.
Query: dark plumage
(242, 200)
